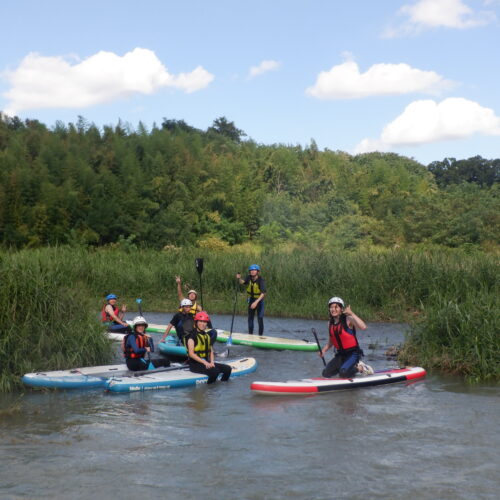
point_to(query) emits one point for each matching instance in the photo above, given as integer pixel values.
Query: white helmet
(186, 302)
(139, 320)
(336, 300)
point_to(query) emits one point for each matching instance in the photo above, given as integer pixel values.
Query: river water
(432, 439)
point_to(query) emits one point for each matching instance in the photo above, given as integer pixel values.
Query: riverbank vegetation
(53, 296)
(87, 211)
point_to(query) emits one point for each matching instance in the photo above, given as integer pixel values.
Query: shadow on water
(435, 438)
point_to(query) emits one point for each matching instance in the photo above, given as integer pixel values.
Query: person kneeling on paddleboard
(342, 336)
(137, 344)
(200, 353)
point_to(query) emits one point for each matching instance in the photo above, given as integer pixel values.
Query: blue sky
(419, 77)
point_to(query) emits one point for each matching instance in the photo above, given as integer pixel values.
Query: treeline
(177, 185)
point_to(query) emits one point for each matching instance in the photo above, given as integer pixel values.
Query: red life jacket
(105, 317)
(142, 342)
(341, 336)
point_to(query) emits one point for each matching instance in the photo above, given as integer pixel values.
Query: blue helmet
(111, 296)
(254, 267)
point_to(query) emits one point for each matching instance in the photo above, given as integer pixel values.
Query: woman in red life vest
(112, 315)
(342, 336)
(137, 344)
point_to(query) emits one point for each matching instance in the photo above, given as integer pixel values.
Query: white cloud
(52, 82)
(263, 67)
(426, 14)
(346, 82)
(428, 121)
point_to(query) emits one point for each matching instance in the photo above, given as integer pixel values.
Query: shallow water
(431, 439)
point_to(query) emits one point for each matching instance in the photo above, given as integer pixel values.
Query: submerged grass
(51, 298)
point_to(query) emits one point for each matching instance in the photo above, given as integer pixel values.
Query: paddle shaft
(319, 346)
(234, 308)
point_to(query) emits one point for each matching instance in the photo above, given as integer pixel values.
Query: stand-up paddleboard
(81, 378)
(171, 347)
(264, 342)
(315, 385)
(261, 342)
(150, 329)
(176, 378)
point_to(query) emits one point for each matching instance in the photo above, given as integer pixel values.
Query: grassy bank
(46, 323)
(52, 297)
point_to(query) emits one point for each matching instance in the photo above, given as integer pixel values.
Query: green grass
(51, 298)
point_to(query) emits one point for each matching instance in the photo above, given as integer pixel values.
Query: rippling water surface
(431, 439)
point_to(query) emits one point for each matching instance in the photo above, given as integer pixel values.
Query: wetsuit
(344, 339)
(254, 289)
(202, 348)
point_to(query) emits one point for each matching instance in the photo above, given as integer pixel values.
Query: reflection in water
(430, 439)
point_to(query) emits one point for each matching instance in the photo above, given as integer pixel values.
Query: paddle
(161, 369)
(319, 347)
(230, 338)
(199, 267)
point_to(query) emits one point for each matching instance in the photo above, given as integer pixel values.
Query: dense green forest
(175, 185)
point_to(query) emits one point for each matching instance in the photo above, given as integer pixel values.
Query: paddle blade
(229, 341)
(199, 265)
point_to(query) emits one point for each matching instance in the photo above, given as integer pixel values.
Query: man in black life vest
(182, 321)
(342, 336)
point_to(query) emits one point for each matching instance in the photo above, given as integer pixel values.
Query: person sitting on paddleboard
(342, 336)
(112, 315)
(137, 344)
(182, 321)
(192, 295)
(256, 289)
(200, 352)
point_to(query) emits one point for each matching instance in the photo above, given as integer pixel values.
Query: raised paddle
(199, 267)
(319, 346)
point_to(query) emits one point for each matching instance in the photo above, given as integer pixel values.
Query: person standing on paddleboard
(200, 353)
(342, 336)
(137, 344)
(182, 321)
(256, 289)
(112, 315)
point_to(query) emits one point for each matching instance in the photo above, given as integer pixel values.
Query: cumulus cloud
(263, 67)
(426, 14)
(345, 81)
(428, 121)
(53, 82)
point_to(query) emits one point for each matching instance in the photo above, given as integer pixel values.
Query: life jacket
(342, 337)
(193, 310)
(202, 345)
(105, 317)
(140, 339)
(253, 288)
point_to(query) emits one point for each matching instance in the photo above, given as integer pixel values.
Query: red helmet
(202, 316)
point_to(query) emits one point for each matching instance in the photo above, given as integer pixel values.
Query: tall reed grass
(51, 298)
(46, 322)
